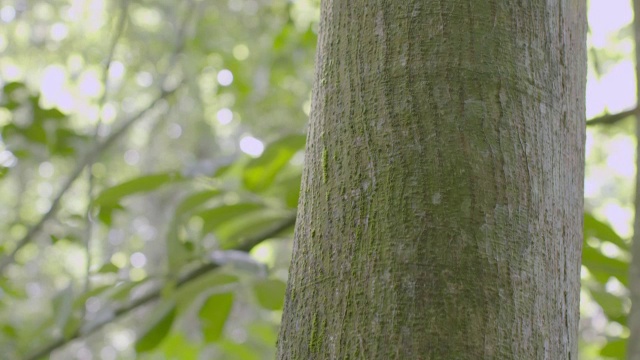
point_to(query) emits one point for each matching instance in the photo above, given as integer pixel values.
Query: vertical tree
(441, 208)
(633, 342)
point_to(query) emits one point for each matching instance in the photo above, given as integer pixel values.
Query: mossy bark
(441, 207)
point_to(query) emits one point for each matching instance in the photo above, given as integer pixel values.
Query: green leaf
(260, 173)
(122, 291)
(213, 315)
(180, 252)
(11, 289)
(237, 351)
(157, 328)
(216, 216)
(9, 331)
(292, 196)
(108, 268)
(189, 292)
(270, 293)
(236, 230)
(15, 94)
(615, 349)
(64, 140)
(79, 302)
(177, 347)
(72, 326)
(41, 114)
(35, 133)
(63, 306)
(106, 213)
(602, 266)
(283, 38)
(612, 305)
(9, 88)
(193, 201)
(604, 232)
(265, 332)
(146, 183)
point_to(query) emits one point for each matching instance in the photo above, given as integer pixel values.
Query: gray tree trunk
(441, 207)
(633, 342)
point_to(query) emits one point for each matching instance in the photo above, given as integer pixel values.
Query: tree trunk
(442, 199)
(633, 342)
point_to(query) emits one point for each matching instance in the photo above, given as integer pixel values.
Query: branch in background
(246, 245)
(96, 137)
(88, 159)
(611, 118)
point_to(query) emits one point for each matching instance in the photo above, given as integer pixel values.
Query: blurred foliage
(150, 161)
(152, 143)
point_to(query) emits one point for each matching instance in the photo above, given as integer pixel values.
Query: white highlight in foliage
(8, 13)
(116, 70)
(108, 353)
(620, 218)
(144, 79)
(7, 159)
(251, 146)
(46, 169)
(53, 81)
(84, 354)
(131, 157)
(174, 130)
(224, 116)
(138, 260)
(621, 156)
(122, 339)
(225, 77)
(59, 31)
(90, 84)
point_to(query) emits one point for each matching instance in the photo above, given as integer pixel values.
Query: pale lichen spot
(404, 55)
(436, 198)
(543, 108)
(380, 23)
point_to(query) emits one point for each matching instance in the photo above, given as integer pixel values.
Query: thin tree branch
(124, 5)
(204, 269)
(609, 119)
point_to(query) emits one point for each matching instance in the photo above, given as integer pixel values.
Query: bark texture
(441, 208)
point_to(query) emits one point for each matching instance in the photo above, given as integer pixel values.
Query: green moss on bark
(441, 205)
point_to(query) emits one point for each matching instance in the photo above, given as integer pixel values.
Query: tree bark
(633, 342)
(441, 208)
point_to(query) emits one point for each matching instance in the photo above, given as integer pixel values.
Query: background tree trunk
(633, 342)
(441, 209)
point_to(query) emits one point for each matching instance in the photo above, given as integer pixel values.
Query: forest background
(150, 161)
